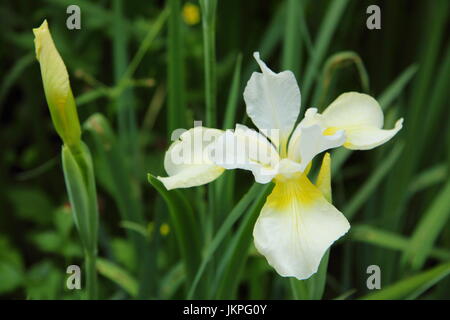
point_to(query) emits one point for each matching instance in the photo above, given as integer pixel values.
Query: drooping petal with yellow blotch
(296, 227)
(273, 102)
(188, 160)
(361, 117)
(57, 87)
(247, 149)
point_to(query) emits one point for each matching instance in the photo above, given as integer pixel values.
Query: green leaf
(225, 228)
(292, 50)
(234, 257)
(80, 184)
(328, 27)
(176, 112)
(394, 90)
(185, 227)
(233, 96)
(390, 240)
(118, 275)
(31, 204)
(11, 267)
(370, 185)
(410, 286)
(428, 178)
(428, 229)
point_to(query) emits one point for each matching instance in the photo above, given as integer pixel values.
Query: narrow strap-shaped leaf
(234, 215)
(79, 178)
(80, 184)
(232, 261)
(390, 240)
(185, 228)
(327, 29)
(428, 229)
(370, 185)
(122, 186)
(118, 275)
(405, 288)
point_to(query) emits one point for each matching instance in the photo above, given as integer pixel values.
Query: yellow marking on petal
(191, 14)
(288, 192)
(330, 131)
(323, 182)
(347, 144)
(308, 168)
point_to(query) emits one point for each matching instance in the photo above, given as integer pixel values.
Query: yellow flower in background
(298, 223)
(191, 13)
(57, 87)
(164, 229)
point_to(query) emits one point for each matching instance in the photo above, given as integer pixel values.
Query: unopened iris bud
(57, 89)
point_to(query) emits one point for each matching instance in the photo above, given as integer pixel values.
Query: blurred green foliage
(141, 66)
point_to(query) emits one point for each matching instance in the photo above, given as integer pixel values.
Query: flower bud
(57, 89)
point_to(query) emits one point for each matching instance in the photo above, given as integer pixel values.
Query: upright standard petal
(361, 117)
(296, 227)
(188, 160)
(247, 149)
(273, 102)
(310, 139)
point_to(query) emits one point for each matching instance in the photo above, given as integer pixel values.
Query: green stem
(91, 275)
(176, 112)
(209, 22)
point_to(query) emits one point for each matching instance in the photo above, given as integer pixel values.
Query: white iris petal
(273, 102)
(308, 140)
(296, 227)
(188, 160)
(247, 149)
(362, 118)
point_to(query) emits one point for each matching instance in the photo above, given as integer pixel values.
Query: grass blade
(209, 50)
(370, 185)
(234, 215)
(176, 87)
(292, 43)
(409, 286)
(116, 274)
(390, 240)
(428, 178)
(428, 229)
(233, 96)
(184, 225)
(231, 263)
(327, 29)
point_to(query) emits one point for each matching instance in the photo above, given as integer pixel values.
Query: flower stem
(209, 22)
(91, 275)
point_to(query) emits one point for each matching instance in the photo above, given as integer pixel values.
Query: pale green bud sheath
(57, 89)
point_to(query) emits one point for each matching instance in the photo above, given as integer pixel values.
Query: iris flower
(297, 224)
